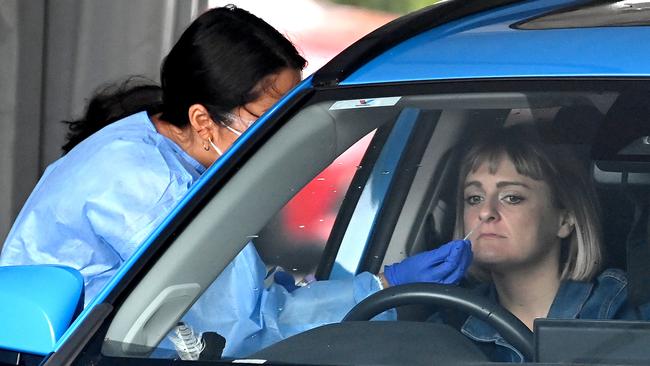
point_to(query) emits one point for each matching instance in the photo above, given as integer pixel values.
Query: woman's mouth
(490, 236)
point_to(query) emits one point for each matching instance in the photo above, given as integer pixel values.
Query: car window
(621, 13)
(294, 239)
(311, 205)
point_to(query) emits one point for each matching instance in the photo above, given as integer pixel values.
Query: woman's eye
(473, 200)
(513, 199)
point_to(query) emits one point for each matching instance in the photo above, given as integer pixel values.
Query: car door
(182, 262)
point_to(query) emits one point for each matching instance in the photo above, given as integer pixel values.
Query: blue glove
(285, 280)
(445, 265)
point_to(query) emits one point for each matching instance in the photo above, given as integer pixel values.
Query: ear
(200, 121)
(567, 224)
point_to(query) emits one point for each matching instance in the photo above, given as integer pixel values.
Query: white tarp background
(53, 55)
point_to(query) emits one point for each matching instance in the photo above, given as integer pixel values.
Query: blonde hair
(570, 187)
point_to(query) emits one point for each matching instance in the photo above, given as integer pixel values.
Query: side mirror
(37, 305)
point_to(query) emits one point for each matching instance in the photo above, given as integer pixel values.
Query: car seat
(621, 156)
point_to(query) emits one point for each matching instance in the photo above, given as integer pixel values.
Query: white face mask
(240, 123)
(219, 152)
(234, 119)
(238, 133)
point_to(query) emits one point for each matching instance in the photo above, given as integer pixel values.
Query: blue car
(410, 99)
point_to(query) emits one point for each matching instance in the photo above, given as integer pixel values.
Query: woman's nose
(488, 212)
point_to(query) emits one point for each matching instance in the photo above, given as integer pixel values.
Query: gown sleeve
(251, 317)
(94, 207)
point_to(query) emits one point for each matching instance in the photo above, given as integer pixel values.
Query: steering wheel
(509, 326)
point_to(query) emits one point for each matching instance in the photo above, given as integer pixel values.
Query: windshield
(541, 188)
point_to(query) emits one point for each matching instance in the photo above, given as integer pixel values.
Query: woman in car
(137, 152)
(538, 242)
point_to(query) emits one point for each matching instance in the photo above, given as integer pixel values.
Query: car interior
(606, 124)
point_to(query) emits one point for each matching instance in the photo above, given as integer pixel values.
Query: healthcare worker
(137, 152)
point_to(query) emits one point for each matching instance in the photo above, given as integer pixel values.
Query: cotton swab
(474, 228)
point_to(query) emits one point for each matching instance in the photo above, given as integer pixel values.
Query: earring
(206, 146)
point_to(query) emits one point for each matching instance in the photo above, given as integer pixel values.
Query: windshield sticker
(365, 103)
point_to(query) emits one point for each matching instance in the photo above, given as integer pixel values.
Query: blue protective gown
(93, 207)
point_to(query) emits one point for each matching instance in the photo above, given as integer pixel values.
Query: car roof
(488, 44)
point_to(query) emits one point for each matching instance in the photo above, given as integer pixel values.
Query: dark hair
(218, 62)
(111, 103)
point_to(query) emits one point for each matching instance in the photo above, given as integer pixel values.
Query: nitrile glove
(285, 280)
(445, 265)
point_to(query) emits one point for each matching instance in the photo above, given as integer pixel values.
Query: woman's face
(520, 225)
(274, 87)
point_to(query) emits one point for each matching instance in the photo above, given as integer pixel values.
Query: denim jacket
(603, 298)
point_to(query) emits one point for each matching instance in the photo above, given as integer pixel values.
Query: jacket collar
(568, 302)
